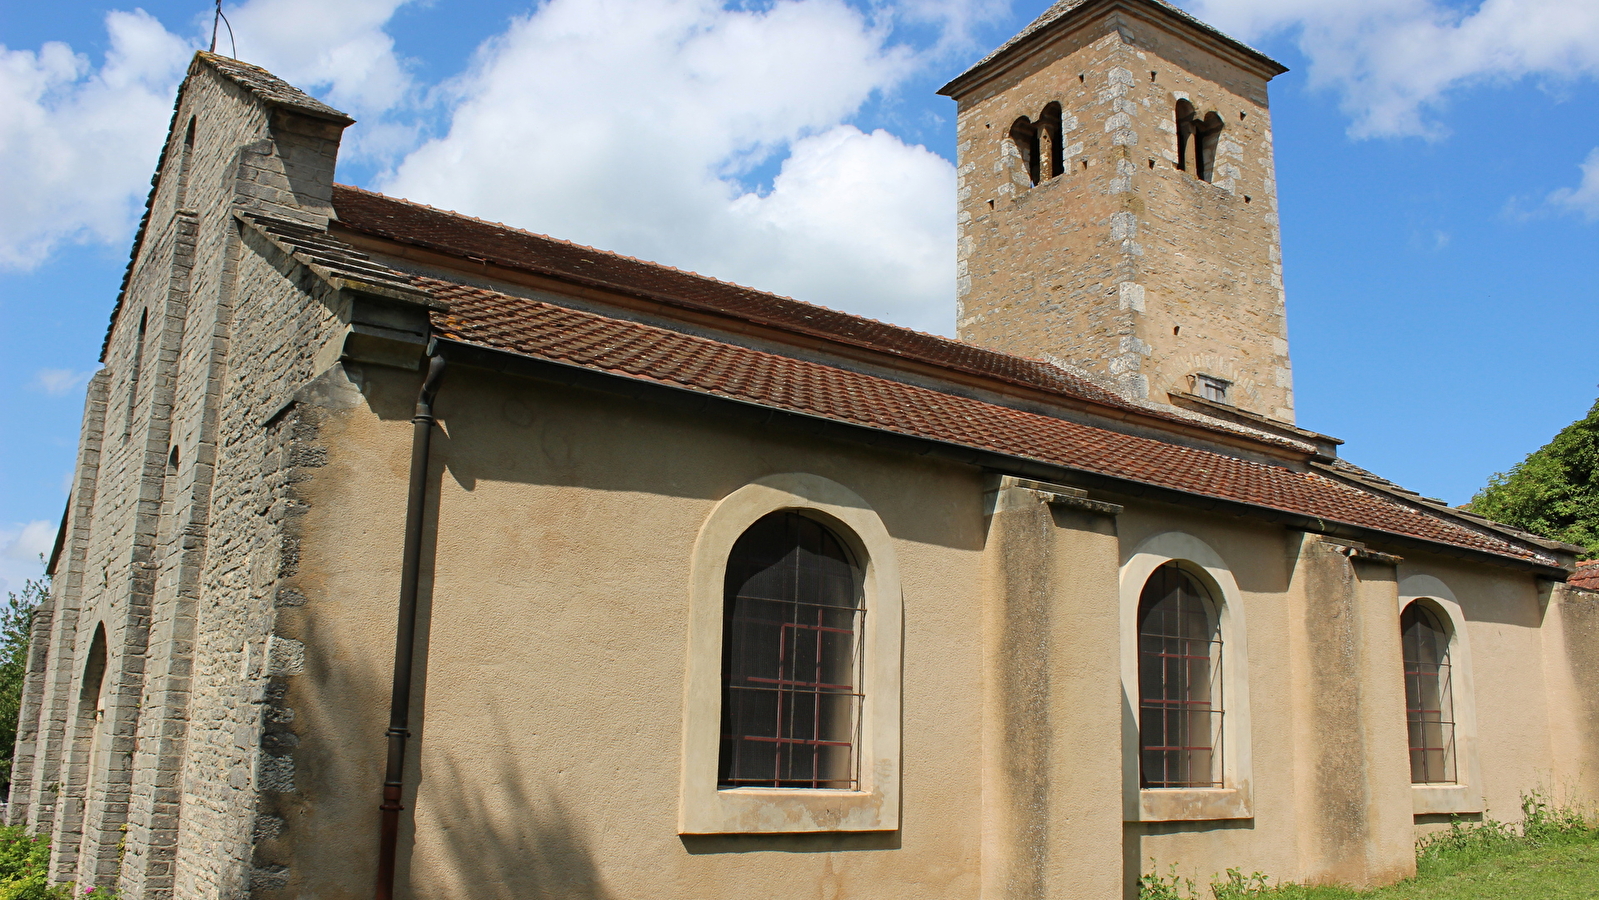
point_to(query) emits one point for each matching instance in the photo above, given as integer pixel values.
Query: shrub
(24, 865)
(25, 869)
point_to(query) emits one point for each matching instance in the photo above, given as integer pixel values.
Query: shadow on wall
(499, 841)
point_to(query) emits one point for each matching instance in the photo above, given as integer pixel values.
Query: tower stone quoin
(1117, 205)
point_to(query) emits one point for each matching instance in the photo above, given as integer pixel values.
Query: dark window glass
(791, 644)
(1179, 683)
(1429, 697)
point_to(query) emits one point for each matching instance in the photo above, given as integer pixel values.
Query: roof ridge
(269, 88)
(795, 316)
(1465, 517)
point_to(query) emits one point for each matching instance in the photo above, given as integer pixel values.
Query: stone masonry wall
(1125, 265)
(42, 724)
(278, 326)
(180, 435)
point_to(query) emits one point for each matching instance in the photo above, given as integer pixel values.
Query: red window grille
(791, 645)
(1429, 696)
(1179, 683)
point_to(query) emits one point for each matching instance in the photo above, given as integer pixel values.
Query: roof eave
(498, 359)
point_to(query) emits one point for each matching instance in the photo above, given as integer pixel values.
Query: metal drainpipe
(405, 634)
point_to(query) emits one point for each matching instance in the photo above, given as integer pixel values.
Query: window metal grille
(1179, 683)
(791, 658)
(1429, 696)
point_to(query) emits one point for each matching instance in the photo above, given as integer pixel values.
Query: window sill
(786, 811)
(1442, 799)
(1193, 804)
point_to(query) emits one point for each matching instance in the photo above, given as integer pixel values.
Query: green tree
(16, 626)
(1554, 492)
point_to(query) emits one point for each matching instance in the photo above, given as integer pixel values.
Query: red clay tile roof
(1587, 575)
(639, 351)
(467, 238)
(463, 236)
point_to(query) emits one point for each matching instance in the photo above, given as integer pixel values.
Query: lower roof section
(640, 352)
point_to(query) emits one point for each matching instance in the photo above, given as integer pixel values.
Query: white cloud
(78, 141)
(954, 22)
(20, 549)
(57, 382)
(338, 50)
(1395, 60)
(628, 125)
(858, 221)
(1584, 198)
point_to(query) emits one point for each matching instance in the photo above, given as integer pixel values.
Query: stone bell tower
(1118, 205)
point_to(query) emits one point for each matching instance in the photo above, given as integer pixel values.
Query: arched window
(1197, 140)
(133, 381)
(1185, 135)
(1207, 141)
(1429, 696)
(92, 709)
(1179, 682)
(791, 658)
(1024, 134)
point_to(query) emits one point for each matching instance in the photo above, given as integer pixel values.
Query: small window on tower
(1212, 388)
(1051, 160)
(1198, 140)
(1024, 137)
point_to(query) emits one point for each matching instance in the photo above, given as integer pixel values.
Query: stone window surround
(703, 807)
(1466, 795)
(1234, 800)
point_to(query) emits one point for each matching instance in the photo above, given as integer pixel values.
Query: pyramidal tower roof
(1064, 13)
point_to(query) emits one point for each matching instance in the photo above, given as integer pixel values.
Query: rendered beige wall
(1506, 615)
(547, 744)
(548, 733)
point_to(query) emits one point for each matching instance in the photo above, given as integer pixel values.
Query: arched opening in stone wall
(83, 750)
(1197, 140)
(1024, 135)
(1050, 149)
(133, 378)
(91, 705)
(1207, 140)
(1185, 135)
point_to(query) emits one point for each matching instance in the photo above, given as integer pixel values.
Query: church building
(411, 555)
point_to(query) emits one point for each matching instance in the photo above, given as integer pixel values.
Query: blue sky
(1440, 230)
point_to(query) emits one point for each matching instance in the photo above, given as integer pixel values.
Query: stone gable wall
(131, 797)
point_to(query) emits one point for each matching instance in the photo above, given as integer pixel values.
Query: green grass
(1554, 855)
(1547, 873)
